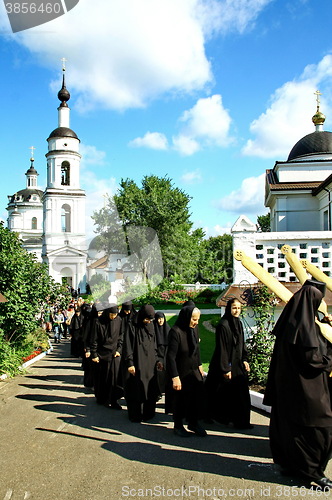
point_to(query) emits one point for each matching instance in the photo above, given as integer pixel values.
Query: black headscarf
(297, 320)
(146, 311)
(127, 306)
(183, 322)
(234, 323)
(161, 331)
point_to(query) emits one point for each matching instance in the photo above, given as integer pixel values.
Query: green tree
(159, 205)
(216, 259)
(264, 223)
(26, 285)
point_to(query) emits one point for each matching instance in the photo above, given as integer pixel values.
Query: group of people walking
(137, 355)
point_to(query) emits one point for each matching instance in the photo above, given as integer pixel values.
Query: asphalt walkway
(57, 444)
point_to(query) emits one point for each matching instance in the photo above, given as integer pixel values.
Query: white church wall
(303, 172)
(264, 248)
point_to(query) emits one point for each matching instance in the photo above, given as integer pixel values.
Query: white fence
(199, 286)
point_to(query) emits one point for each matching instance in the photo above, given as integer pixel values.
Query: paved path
(57, 444)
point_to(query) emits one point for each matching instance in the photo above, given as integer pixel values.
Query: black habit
(297, 388)
(162, 342)
(183, 360)
(228, 400)
(105, 341)
(141, 388)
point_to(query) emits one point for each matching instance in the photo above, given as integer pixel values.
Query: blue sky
(208, 92)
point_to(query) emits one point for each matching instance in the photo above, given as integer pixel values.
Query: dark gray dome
(26, 194)
(314, 143)
(63, 132)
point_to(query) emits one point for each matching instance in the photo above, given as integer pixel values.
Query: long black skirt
(301, 449)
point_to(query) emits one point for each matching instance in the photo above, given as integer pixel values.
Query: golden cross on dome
(317, 94)
(63, 60)
(32, 148)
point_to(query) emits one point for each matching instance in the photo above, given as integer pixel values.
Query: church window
(65, 173)
(325, 255)
(270, 251)
(326, 264)
(270, 260)
(259, 256)
(325, 244)
(259, 247)
(314, 260)
(282, 275)
(34, 223)
(271, 269)
(303, 255)
(281, 264)
(65, 218)
(314, 250)
(325, 220)
(303, 246)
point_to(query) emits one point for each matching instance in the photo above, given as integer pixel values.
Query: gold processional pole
(275, 286)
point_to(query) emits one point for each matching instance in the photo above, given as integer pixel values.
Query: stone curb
(30, 362)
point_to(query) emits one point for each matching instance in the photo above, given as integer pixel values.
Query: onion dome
(316, 143)
(63, 94)
(63, 132)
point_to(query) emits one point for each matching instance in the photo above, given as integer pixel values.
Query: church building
(51, 223)
(298, 194)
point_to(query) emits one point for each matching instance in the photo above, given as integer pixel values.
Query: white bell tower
(64, 242)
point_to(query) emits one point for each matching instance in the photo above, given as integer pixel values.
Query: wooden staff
(317, 273)
(300, 273)
(275, 286)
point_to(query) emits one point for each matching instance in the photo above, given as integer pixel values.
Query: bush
(260, 343)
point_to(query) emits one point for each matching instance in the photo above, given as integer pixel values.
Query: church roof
(319, 142)
(63, 132)
(100, 263)
(274, 184)
(26, 194)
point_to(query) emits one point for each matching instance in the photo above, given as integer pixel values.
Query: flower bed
(31, 356)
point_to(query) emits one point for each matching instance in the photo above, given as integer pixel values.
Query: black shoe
(323, 483)
(198, 430)
(181, 431)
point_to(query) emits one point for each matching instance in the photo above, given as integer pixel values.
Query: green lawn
(207, 338)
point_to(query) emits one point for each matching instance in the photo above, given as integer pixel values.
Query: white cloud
(152, 140)
(186, 146)
(288, 117)
(249, 198)
(122, 54)
(192, 177)
(207, 123)
(91, 155)
(95, 189)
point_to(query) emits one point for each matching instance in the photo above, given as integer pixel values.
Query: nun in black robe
(162, 329)
(297, 389)
(106, 347)
(76, 332)
(184, 390)
(88, 312)
(141, 362)
(226, 386)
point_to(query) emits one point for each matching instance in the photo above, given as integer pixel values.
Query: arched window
(65, 218)
(65, 173)
(34, 223)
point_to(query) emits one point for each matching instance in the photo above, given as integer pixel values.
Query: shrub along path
(56, 443)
